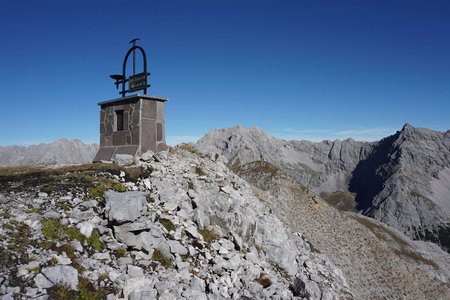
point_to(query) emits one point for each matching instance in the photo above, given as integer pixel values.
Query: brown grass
(209, 236)
(158, 256)
(264, 280)
(340, 199)
(189, 148)
(59, 179)
(403, 250)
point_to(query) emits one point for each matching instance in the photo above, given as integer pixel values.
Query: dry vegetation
(87, 177)
(403, 247)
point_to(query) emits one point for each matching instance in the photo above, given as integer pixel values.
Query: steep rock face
(405, 183)
(402, 180)
(60, 152)
(377, 261)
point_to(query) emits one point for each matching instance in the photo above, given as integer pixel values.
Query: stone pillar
(131, 125)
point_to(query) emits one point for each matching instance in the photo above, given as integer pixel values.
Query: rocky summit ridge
(172, 226)
(181, 225)
(402, 180)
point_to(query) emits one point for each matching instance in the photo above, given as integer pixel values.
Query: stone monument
(131, 124)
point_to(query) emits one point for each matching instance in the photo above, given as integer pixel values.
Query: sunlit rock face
(402, 180)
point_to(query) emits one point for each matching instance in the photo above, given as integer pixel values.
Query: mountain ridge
(60, 152)
(401, 180)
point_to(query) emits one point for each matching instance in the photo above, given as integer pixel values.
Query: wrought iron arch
(140, 78)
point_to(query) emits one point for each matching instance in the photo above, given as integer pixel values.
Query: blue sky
(297, 69)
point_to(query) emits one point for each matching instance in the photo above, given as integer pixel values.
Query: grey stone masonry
(131, 125)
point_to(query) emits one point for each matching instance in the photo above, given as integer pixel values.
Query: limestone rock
(63, 275)
(123, 159)
(124, 207)
(147, 156)
(177, 248)
(139, 284)
(86, 228)
(192, 230)
(52, 215)
(42, 282)
(135, 271)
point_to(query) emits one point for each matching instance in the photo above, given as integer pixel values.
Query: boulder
(147, 156)
(52, 215)
(140, 284)
(125, 207)
(197, 284)
(2, 199)
(192, 231)
(134, 234)
(86, 228)
(177, 248)
(135, 271)
(123, 159)
(42, 282)
(62, 275)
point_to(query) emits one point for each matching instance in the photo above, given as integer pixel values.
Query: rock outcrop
(402, 180)
(185, 228)
(60, 152)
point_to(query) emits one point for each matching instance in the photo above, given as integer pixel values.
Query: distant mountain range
(60, 152)
(402, 180)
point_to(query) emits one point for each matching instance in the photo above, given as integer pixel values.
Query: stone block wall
(131, 125)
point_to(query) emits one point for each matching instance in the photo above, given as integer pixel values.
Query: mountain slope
(60, 152)
(377, 261)
(181, 227)
(402, 180)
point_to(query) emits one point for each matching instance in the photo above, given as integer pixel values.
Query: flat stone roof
(141, 96)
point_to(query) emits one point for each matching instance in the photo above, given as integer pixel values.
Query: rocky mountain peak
(402, 180)
(408, 133)
(407, 126)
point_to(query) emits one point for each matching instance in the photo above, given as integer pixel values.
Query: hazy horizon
(288, 134)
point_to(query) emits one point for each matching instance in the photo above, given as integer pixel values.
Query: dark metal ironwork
(136, 82)
(133, 41)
